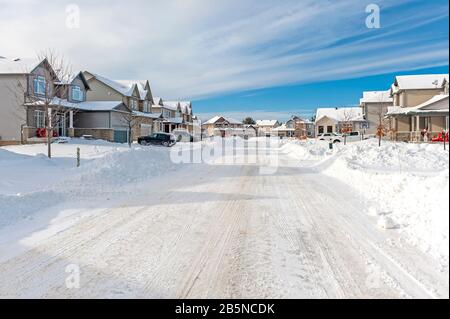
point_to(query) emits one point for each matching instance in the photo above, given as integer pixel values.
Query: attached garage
(120, 136)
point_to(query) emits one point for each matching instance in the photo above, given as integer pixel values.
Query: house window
(39, 120)
(77, 94)
(147, 107)
(330, 129)
(320, 129)
(133, 104)
(39, 85)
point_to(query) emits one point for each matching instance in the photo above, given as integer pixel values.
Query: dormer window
(146, 107)
(39, 85)
(133, 104)
(77, 94)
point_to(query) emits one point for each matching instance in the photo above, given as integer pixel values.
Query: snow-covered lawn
(36, 191)
(407, 183)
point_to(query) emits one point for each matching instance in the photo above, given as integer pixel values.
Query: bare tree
(131, 122)
(346, 124)
(383, 123)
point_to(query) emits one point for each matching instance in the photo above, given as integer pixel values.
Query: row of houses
(226, 126)
(413, 105)
(86, 104)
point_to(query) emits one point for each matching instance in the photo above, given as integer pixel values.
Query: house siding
(12, 114)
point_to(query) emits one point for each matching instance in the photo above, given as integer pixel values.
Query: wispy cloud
(198, 48)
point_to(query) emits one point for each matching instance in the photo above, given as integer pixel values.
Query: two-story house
(136, 97)
(223, 127)
(35, 100)
(265, 127)
(420, 104)
(374, 105)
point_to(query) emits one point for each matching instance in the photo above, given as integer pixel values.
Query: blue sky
(284, 101)
(264, 57)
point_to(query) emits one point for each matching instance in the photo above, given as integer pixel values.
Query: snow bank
(408, 183)
(31, 182)
(308, 150)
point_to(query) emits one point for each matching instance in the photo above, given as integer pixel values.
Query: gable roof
(217, 118)
(121, 88)
(415, 82)
(340, 114)
(376, 97)
(266, 122)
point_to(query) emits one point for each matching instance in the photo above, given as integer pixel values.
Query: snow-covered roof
(186, 107)
(376, 97)
(123, 88)
(175, 120)
(157, 101)
(17, 66)
(423, 81)
(85, 106)
(437, 104)
(172, 105)
(283, 128)
(350, 114)
(149, 115)
(266, 122)
(228, 119)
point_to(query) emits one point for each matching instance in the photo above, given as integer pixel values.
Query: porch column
(70, 119)
(71, 131)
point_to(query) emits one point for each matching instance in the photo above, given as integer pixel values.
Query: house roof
(340, 114)
(283, 128)
(172, 105)
(414, 82)
(266, 122)
(148, 115)
(426, 107)
(85, 106)
(228, 119)
(122, 88)
(17, 66)
(376, 97)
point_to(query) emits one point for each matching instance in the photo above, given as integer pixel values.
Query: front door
(61, 124)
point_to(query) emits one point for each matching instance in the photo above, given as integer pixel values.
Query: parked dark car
(163, 139)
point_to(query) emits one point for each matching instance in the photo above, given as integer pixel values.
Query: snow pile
(308, 150)
(31, 182)
(407, 184)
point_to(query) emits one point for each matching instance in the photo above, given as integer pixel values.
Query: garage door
(120, 136)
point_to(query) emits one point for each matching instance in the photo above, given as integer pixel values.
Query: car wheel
(144, 143)
(336, 141)
(165, 144)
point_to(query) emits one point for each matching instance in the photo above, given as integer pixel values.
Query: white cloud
(195, 48)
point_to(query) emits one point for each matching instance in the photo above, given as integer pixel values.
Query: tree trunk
(49, 142)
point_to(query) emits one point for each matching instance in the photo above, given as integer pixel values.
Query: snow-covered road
(227, 231)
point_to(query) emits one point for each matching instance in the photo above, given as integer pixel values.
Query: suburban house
(374, 105)
(48, 100)
(137, 99)
(222, 126)
(265, 127)
(339, 120)
(13, 81)
(296, 127)
(420, 104)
